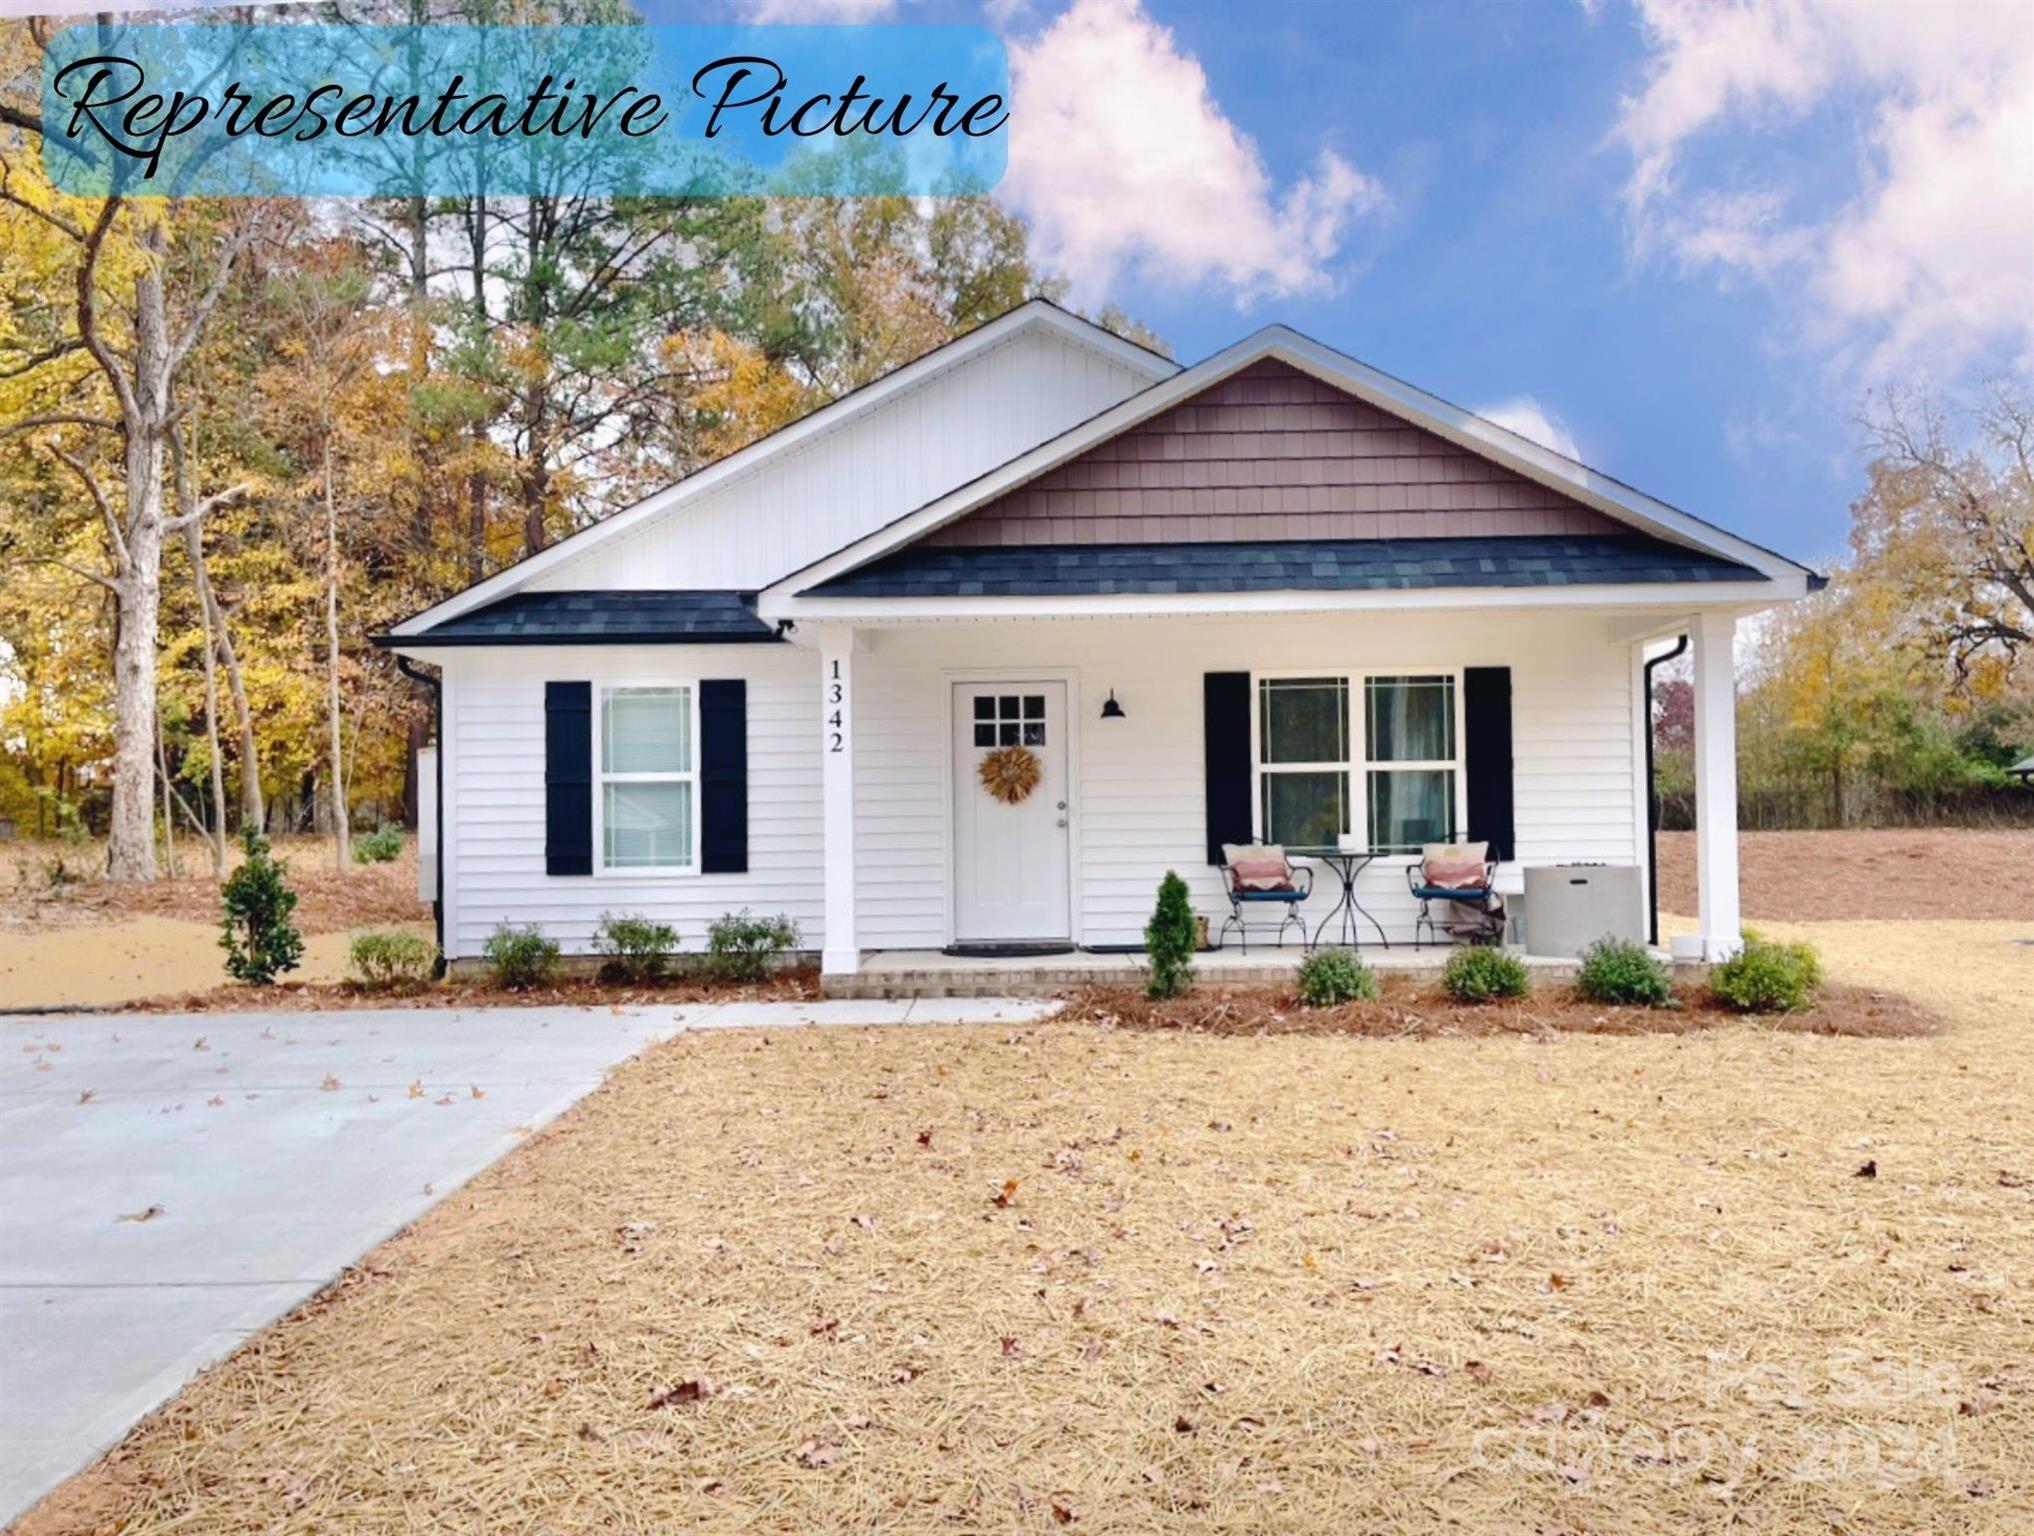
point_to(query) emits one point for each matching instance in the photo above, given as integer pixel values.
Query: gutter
(437, 687)
(1652, 802)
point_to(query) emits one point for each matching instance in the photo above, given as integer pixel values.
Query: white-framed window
(646, 784)
(1375, 754)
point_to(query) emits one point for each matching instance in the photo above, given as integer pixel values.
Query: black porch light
(1111, 710)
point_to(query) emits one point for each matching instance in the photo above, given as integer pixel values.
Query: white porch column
(842, 956)
(1714, 636)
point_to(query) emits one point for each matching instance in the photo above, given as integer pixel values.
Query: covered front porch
(918, 859)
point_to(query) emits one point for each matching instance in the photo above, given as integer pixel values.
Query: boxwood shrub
(1331, 976)
(1621, 971)
(1480, 974)
(1767, 977)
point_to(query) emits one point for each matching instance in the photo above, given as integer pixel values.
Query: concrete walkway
(171, 1183)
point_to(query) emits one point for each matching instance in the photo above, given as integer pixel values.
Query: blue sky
(1683, 238)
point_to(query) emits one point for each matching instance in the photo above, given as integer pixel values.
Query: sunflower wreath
(1010, 774)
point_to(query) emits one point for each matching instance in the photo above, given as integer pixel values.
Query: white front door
(1011, 861)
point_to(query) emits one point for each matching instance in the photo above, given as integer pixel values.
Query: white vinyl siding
(798, 506)
(494, 791)
(1138, 782)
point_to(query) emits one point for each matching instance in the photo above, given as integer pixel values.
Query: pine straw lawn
(1113, 1280)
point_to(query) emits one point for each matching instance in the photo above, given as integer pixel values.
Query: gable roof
(1041, 314)
(1557, 472)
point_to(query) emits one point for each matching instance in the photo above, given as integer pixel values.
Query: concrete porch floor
(929, 973)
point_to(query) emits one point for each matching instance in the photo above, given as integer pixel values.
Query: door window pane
(1411, 806)
(1304, 720)
(647, 730)
(648, 826)
(1305, 810)
(1410, 719)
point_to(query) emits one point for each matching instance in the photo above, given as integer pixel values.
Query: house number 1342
(836, 709)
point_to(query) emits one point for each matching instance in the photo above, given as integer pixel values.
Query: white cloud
(818, 12)
(1528, 418)
(1122, 161)
(1928, 253)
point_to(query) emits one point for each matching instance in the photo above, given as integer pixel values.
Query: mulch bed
(791, 986)
(1409, 1010)
(1963, 873)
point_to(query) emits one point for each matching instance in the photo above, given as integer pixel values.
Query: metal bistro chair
(1254, 873)
(1440, 876)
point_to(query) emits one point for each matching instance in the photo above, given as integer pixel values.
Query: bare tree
(1950, 516)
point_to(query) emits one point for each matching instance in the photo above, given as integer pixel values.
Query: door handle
(1062, 805)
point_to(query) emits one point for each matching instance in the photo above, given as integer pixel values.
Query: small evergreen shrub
(520, 957)
(742, 947)
(1767, 977)
(1479, 974)
(385, 961)
(1620, 971)
(636, 948)
(255, 928)
(1331, 976)
(384, 845)
(1170, 939)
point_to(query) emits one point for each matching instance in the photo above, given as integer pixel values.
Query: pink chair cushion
(1455, 866)
(1257, 866)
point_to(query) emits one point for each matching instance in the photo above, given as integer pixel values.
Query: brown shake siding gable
(1272, 453)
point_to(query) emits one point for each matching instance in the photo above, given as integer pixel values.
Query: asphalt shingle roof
(1289, 565)
(602, 618)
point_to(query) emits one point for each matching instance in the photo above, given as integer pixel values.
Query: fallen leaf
(477, 1091)
(1063, 1513)
(215, 1101)
(695, 1391)
(417, 1089)
(1558, 1282)
(331, 1082)
(1478, 1371)
(199, 1044)
(1870, 1170)
(925, 1138)
(817, 1453)
(1005, 1195)
(148, 1213)
(87, 1096)
(1011, 1351)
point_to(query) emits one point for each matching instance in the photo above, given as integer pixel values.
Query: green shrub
(1478, 974)
(255, 928)
(384, 845)
(1331, 976)
(1170, 939)
(741, 947)
(1766, 977)
(1621, 971)
(385, 961)
(636, 948)
(520, 957)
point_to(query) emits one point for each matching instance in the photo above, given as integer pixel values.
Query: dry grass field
(1076, 1278)
(81, 940)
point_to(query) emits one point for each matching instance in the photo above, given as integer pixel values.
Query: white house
(1275, 595)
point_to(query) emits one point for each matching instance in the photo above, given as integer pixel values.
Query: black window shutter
(724, 776)
(1486, 756)
(1225, 716)
(568, 778)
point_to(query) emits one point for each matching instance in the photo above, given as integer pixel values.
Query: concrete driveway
(273, 1150)
(171, 1183)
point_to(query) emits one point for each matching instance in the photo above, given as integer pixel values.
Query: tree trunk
(194, 551)
(130, 849)
(340, 831)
